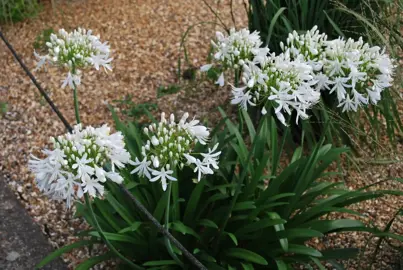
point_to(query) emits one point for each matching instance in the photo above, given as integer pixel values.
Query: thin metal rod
(41, 90)
(138, 204)
(164, 231)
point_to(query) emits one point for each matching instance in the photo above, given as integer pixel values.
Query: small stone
(12, 256)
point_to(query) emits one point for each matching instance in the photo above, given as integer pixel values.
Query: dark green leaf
(246, 255)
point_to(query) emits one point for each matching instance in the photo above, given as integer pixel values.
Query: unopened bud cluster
(76, 50)
(310, 46)
(168, 145)
(76, 165)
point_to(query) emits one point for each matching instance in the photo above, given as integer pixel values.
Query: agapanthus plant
(76, 165)
(287, 82)
(75, 51)
(170, 144)
(230, 51)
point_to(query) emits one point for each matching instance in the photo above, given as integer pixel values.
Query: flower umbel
(76, 165)
(170, 145)
(357, 72)
(353, 71)
(74, 51)
(232, 50)
(287, 82)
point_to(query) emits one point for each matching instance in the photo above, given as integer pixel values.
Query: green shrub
(17, 10)
(251, 214)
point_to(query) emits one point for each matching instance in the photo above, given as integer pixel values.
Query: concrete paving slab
(22, 244)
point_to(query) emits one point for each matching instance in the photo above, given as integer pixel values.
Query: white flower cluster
(171, 144)
(285, 81)
(355, 71)
(76, 165)
(309, 63)
(230, 51)
(74, 51)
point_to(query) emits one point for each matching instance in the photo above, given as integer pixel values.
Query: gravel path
(145, 37)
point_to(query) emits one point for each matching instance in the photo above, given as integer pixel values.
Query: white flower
(83, 170)
(93, 188)
(340, 85)
(163, 176)
(42, 60)
(241, 98)
(348, 104)
(374, 95)
(143, 167)
(200, 167)
(100, 60)
(211, 158)
(323, 81)
(356, 76)
(76, 165)
(200, 132)
(74, 51)
(206, 67)
(220, 80)
(115, 177)
(71, 80)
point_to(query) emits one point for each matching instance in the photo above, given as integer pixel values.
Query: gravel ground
(145, 38)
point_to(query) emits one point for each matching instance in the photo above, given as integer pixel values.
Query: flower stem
(101, 234)
(167, 242)
(236, 80)
(76, 108)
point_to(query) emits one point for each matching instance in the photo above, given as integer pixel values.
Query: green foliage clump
(17, 10)
(168, 90)
(42, 38)
(252, 214)
(132, 110)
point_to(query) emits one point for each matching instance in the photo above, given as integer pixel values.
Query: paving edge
(22, 244)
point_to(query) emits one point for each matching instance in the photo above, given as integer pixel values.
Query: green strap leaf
(304, 250)
(246, 255)
(160, 263)
(182, 228)
(299, 233)
(233, 237)
(55, 254)
(326, 226)
(131, 228)
(115, 237)
(207, 223)
(94, 261)
(340, 253)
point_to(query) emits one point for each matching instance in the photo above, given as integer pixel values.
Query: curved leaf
(246, 255)
(55, 254)
(94, 261)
